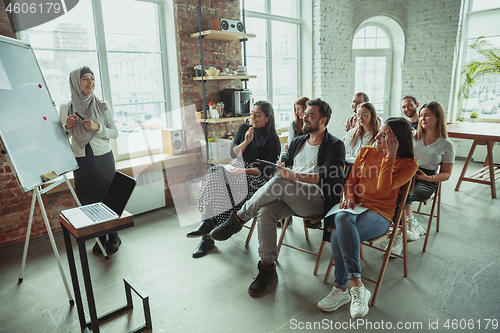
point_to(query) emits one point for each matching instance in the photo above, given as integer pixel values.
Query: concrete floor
(457, 278)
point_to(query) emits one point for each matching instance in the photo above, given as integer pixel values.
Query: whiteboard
(29, 123)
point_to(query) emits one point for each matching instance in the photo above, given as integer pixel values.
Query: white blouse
(351, 153)
(100, 142)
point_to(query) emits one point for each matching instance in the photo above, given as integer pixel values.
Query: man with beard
(409, 105)
(309, 183)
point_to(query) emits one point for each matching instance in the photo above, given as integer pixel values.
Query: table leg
(88, 286)
(489, 157)
(74, 278)
(466, 165)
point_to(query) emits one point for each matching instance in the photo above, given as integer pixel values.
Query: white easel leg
(27, 241)
(53, 243)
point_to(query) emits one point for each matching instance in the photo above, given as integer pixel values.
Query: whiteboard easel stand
(37, 194)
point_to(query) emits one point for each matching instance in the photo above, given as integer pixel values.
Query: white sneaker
(397, 247)
(334, 300)
(360, 296)
(411, 226)
(417, 227)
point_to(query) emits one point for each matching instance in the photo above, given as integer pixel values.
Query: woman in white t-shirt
(432, 150)
(364, 133)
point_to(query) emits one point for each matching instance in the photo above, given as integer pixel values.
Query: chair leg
(438, 207)
(361, 252)
(283, 230)
(306, 230)
(431, 215)
(320, 252)
(405, 248)
(328, 270)
(251, 231)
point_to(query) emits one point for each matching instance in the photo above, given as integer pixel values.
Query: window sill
(138, 165)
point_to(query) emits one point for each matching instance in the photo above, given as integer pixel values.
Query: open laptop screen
(119, 191)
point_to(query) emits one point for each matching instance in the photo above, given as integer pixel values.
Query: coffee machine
(237, 101)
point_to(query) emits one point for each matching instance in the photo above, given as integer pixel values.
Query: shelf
(222, 35)
(224, 77)
(222, 120)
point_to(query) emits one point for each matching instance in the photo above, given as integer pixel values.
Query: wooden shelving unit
(224, 77)
(222, 35)
(222, 120)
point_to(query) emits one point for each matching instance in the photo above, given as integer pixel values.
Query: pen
(79, 116)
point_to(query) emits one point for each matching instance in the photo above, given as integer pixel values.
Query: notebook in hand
(110, 208)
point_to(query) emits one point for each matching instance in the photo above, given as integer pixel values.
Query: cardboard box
(217, 150)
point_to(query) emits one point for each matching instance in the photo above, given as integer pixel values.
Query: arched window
(372, 58)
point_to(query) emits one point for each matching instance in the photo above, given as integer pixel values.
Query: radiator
(149, 193)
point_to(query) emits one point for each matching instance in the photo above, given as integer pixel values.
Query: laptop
(110, 208)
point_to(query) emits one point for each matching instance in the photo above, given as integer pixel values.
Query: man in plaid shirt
(358, 98)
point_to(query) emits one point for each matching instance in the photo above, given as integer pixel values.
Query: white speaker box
(172, 141)
(228, 25)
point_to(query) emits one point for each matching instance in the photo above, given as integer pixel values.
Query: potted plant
(473, 116)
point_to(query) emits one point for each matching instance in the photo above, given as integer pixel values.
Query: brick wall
(15, 205)
(6, 27)
(216, 53)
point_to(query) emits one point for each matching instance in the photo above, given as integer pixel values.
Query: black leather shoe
(228, 228)
(206, 244)
(310, 225)
(203, 229)
(114, 243)
(267, 275)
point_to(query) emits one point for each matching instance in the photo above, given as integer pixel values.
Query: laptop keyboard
(97, 213)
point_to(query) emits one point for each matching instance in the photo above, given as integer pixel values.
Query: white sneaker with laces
(411, 225)
(417, 227)
(397, 247)
(334, 300)
(360, 296)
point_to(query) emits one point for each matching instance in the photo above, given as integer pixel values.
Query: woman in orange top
(374, 182)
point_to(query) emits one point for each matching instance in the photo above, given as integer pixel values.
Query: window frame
(169, 59)
(304, 49)
(467, 16)
(375, 52)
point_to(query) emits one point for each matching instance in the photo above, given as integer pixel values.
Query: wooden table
(483, 134)
(82, 235)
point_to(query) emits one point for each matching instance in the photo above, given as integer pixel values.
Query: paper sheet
(358, 209)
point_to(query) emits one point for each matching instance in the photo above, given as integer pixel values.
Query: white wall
(430, 28)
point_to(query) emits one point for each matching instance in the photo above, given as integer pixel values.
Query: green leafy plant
(474, 114)
(475, 70)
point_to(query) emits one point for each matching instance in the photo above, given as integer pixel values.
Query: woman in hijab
(90, 142)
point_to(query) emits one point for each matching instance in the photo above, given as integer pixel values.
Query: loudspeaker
(228, 25)
(172, 141)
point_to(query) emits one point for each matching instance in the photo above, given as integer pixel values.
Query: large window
(127, 61)
(274, 54)
(484, 98)
(372, 56)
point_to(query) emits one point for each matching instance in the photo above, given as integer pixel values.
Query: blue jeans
(350, 230)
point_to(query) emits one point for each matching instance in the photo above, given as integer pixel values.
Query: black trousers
(93, 177)
(421, 191)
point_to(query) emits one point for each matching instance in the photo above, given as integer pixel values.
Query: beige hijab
(87, 105)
